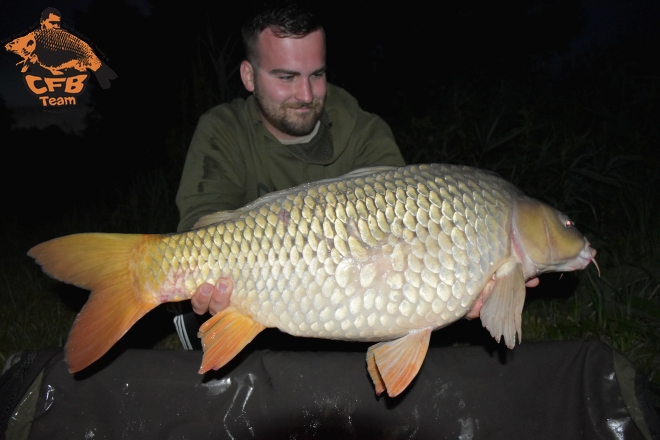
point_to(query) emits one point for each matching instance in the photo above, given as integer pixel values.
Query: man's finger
(533, 282)
(201, 298)
(221, 295)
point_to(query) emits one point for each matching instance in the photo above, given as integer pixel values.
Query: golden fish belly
(365, 257)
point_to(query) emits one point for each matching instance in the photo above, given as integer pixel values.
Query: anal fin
(224, 336)
(376, 378)
(393, 365)
(501, 312)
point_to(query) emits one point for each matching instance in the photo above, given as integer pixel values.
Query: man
(50, 19)
(295, 128)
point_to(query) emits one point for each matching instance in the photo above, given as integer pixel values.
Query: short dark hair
(46, 13)
(286, 18)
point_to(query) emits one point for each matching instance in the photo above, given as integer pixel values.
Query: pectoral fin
(224, 336)
(502, 309)
(393, 365)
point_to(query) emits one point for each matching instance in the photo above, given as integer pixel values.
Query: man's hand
(212, 299)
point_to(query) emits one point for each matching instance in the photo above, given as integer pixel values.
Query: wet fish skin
(358, 270)
(385, 254)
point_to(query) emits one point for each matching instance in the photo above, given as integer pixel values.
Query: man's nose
(304, 91)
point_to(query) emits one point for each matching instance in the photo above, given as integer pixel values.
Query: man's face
(288, 81)
(52, 22)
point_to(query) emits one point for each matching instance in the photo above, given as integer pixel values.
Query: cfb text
(71, 85)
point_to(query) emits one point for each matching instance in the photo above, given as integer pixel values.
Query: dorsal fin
(216, 217)
(222, 216)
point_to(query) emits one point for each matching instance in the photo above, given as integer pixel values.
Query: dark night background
(401, 62)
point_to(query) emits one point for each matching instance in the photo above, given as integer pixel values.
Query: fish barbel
(381, 254)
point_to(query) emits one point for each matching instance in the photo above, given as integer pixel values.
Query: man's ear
(247, 75)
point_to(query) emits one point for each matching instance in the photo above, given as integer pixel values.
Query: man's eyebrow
(283, 72)
(294, 72)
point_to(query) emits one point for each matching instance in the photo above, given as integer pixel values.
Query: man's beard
(297, 125)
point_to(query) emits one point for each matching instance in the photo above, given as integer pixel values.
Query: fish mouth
(586, 256)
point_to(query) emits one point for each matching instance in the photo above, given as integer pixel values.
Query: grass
(31, 315)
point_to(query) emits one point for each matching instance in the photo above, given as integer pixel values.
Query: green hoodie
(233, 159)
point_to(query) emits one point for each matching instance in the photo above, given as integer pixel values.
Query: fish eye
(569, 223)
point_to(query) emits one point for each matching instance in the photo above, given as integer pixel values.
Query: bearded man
(294, 128)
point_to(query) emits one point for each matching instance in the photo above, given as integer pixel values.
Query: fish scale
(399, 280)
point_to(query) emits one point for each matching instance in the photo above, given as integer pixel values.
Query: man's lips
(303, 106)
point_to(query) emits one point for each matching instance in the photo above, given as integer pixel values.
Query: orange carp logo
(56, 63)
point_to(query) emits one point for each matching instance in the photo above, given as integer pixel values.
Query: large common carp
(380, 254)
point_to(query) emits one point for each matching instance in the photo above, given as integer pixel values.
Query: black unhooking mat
(550, 390)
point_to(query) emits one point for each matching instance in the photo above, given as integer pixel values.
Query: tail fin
(104, 74)
(102, 264)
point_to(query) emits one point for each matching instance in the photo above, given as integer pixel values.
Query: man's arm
(212, 178)
(368, 139)
(374, 142)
